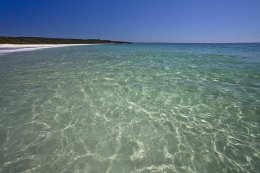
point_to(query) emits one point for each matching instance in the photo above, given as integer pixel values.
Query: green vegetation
(44, 40)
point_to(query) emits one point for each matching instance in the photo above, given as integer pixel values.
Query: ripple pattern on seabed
(130, 108)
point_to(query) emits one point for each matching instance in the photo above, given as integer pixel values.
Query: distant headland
(45, 40)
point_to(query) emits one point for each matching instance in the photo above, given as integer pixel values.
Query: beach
(9, 48)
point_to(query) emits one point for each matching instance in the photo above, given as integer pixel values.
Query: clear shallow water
(131, 108)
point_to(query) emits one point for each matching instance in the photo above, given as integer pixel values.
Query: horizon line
(196, 42)
(142, 42)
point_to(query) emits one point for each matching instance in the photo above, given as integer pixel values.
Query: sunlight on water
(131, 108)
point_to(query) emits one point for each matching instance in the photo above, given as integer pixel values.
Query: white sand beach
(9, 48)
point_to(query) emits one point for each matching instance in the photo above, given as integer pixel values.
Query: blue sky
(134, 20)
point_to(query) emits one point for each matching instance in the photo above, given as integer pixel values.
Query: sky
(201, 21)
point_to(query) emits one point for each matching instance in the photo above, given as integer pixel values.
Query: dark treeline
(44, 40)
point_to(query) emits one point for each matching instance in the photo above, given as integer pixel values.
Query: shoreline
(10, 48)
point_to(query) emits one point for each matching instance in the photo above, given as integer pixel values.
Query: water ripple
(130, 108)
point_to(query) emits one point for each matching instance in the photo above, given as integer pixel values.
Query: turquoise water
(131, 108)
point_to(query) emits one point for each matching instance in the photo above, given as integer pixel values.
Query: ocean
(131, 108)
